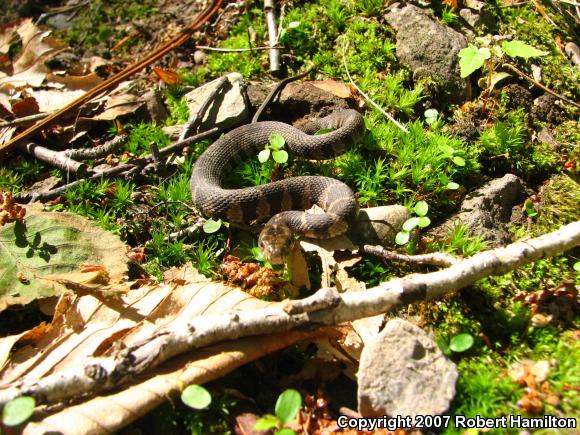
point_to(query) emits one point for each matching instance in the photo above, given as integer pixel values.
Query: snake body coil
(280, 200)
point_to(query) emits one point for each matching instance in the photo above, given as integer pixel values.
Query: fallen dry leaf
(169, 77)
(88, 326)
(119, 105)
(335, 87)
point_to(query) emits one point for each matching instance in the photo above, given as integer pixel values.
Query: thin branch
(539, 85)
(55, 158)
(116, 171)
(277, 90)
(195, 121)
(98, 151)
(366, 97)
(325, 307)
(270, 14)
(24, 120)
(440, 259)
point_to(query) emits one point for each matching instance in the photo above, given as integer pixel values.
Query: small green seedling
(421, 220)
(472, 58)
(287, 407)
(530, 209)
(461, 342)
(577, 266)
(196, 397)
(211, 226)
(274, 147)
(18, 411)
(431, 116)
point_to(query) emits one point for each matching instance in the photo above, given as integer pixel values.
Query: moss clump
(559, 200)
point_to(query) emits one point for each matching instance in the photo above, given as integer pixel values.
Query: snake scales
(281, 201)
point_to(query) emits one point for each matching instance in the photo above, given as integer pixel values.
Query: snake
(280, 204)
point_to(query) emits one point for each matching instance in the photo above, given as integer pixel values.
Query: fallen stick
(98, 151)
(116, 171)
(325, 307)
(55, 158)
(434, 258)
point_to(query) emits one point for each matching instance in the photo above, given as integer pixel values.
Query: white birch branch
(325, 307)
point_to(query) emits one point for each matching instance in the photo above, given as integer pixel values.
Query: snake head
(275, 241)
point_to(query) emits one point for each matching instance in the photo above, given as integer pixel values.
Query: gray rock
(486, 211)
(230, 108)
(296, 102)
(199, 57)
(45, 185)
(155, 107)
(403, 372)
(430, 50)
(479, 21)
(379, 225)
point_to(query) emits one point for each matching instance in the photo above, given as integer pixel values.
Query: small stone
(199, 57)
(230, 108)
(430, 49)
(403, 372)
(157, 111)
(486, 211)
(379, 225)
(45, 185)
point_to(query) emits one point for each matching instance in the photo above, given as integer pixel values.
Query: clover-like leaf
(276, 141)
(459, 161)
(196, 397)
(267, 422)
(264, 155)
(471, 59)
(210, 226)
(447, 150)
(461, 343)
(288, 405)
(520, 49)
(402, 237)
(18, 411)
(431, 116)
(421, 208)
(410, 224)
(452, 186)
(424, 221)
(280, 156)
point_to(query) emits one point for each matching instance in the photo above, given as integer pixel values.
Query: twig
(98, 151)
(325, 307)
(277, 89)
(435, 258)
(234, 50)
(183, 36)
(55, 158)
(366, 97)
(270, 13)
(114, 172)
(190, 230)
(23, 120)
(539, 85)
(196, 119)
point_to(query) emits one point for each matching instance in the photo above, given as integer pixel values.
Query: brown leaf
(335, 87)
(25, 107)
(119, 105)
(298, 268)
(169, 77)
(86, 326)
(451, 3)
(74, 83)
